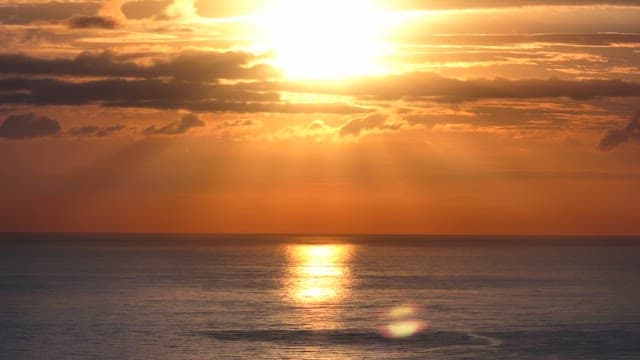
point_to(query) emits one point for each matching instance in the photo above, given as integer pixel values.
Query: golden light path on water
(318, 273)
(320, 277)
(317, 284)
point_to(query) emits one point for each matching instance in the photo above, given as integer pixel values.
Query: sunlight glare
(326, 39)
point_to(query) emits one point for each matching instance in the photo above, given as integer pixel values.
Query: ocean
(115, 296)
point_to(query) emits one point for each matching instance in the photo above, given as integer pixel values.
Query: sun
(325, 39)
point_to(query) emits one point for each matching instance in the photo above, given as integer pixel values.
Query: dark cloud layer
(27, 126)
(586, 39)
(616, 137)
(157, 94)
(118, 91)
(475, 4)
(189, 66)
(240, 106)
(431, 86)
(264, 96)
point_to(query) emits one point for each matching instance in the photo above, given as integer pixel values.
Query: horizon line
(293, 234)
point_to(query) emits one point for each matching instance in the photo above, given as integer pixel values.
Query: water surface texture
(269, 297)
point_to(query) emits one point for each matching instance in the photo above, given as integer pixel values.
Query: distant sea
(329, 297)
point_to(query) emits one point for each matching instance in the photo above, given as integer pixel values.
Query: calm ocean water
(266, 297)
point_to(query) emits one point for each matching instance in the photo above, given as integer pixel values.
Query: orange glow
(320, 117)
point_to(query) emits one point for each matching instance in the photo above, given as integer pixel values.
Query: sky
(320, 117)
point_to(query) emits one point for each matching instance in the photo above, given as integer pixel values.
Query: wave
(428, 339)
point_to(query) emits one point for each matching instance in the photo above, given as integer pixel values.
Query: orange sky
(448, 117)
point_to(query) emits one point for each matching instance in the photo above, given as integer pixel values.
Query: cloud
(52, 92)
(199, 66)
(586, 39)
(616, 137)
(475, 4)
(238, 123)
(353, 129)
(92, 22)
(264, 96)
(242, 106)
(27, 126)
(421, 86)
(190, 65)
(157, 94)
(192, 81)
(355, 126)
(95, 131)
(182, 126)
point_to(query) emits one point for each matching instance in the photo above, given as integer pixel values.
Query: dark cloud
(190, 66)
(596, 39)
(95, 131)
(27, 126)
(198, 66)
(117, 91)
(475, 4)
(248, 97)
(157, 94)
(182, 126)
(245, 107)
(421, 86)
(356, 126)
(616, 137)
(92, 22)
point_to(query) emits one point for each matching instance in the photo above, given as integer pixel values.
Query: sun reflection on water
(318, 273)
